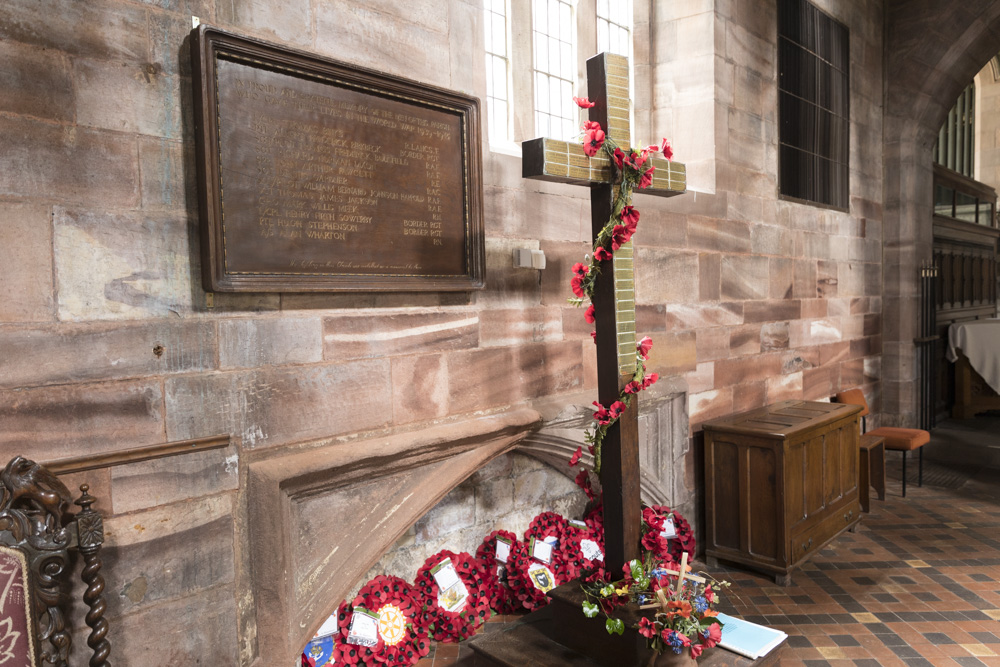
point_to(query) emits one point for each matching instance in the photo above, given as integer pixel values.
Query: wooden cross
(614, 291)
(682, 576)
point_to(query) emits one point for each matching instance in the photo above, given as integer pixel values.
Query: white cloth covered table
(979, 340)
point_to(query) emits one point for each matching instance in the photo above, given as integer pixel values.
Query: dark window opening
(813, 105)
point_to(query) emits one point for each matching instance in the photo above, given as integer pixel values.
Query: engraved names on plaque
(322, 177)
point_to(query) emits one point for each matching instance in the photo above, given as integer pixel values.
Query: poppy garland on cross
(633, 171)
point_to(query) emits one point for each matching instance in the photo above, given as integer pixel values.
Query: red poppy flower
(573, 460)
(593, 138)
(632, 387)
(583, 481)
(583, 102)
(696, 650)
(616, 409)
(712, 635)
(593, 334)
(650, 380)
(602, 254)
(644, 346)
(655, 542)
(602, 415)
(666, 150)
(619, 158)
(647, 178)
(652, 518)
(709, 594)
(589, 315)
(576, 282)
(630, 216)
(620, 235)
(647, 628)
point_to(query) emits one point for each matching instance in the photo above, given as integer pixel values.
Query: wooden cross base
(559, 635)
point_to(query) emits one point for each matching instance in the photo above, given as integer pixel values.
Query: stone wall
(760, 299)
(506, 494)
(749, 299)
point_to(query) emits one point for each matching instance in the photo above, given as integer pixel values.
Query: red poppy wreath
(497, 555)
(454, 597)
(403, 635)
(581, 548)
(357, 641)
(657, 518)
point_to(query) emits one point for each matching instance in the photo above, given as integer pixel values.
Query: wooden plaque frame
(238, 261)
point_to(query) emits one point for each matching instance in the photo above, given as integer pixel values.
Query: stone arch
(358, 495)
(932, 51)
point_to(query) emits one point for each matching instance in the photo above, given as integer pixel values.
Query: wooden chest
(780, 482)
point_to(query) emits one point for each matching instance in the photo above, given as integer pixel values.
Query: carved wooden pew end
(37, 533)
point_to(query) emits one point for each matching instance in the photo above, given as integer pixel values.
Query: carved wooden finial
(85, 500)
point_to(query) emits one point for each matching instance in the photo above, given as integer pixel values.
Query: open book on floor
(749, 639)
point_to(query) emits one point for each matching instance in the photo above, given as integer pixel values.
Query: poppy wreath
(502, 598)
(529, 596)
(351, 654)
(572, 552)
(400, 628)
(654, 517)
(568, 554)
(552, 524)
(594, 517)
(453, 626)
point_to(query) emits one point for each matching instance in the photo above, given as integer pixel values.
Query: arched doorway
(932, 52)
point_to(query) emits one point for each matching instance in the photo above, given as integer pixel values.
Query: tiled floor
(918, 584)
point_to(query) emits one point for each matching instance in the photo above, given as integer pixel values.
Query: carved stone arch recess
(321, 518)
(663, 447)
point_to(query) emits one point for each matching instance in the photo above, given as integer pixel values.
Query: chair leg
(904, 473)
(920, 467)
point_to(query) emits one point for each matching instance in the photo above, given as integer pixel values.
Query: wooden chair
(900, 439)
(37, 533)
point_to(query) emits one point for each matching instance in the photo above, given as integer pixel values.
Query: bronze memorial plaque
(315, 175)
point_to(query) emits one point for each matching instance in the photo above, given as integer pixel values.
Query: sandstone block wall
(749, 299)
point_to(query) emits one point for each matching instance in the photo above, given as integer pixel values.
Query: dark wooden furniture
(872, 468)
(780, 482)
(37, 533)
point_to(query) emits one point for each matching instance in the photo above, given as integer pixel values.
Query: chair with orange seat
(901, 439)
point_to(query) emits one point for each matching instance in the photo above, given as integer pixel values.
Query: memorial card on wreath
(315, 175)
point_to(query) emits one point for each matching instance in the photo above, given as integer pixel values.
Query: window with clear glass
(554, 69)
(614, 27)
(497, 70)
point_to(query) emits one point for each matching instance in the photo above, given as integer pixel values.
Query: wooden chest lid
(782, 420)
